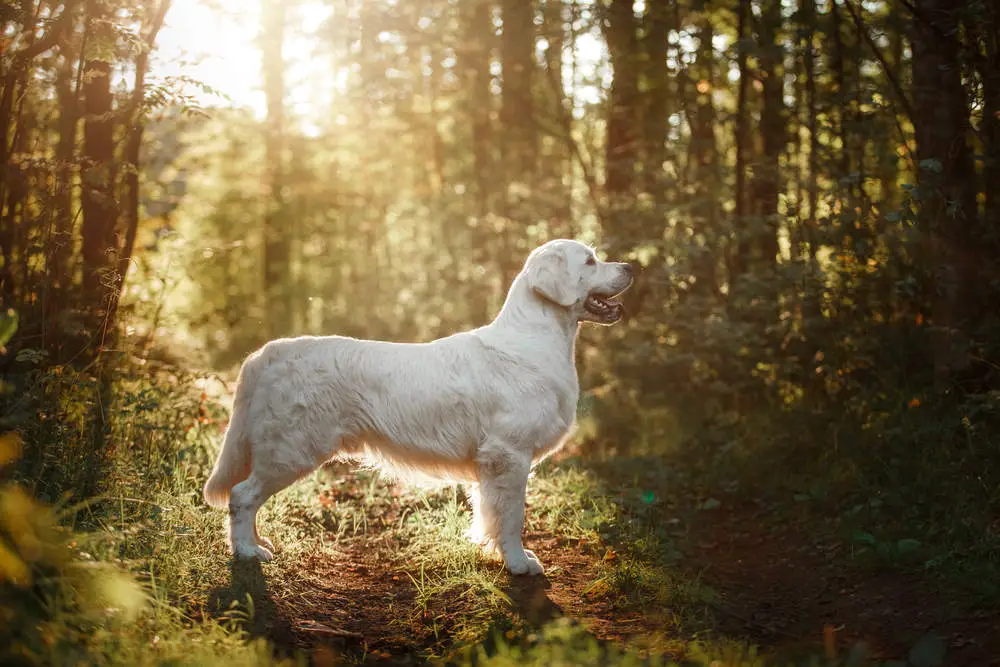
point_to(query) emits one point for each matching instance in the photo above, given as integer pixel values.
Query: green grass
(144, 577)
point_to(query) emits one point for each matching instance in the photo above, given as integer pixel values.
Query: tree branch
(134, 144)
(893, 81)
(566, 123)
(51, 37)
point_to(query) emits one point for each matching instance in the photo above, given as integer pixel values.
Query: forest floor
(635, 556)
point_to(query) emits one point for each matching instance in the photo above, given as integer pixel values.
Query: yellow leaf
(20, 515)
(10, 447)
(12, 568)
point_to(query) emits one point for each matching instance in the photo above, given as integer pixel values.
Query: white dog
(478, 407)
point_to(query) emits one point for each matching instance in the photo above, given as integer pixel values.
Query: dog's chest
(565, 390)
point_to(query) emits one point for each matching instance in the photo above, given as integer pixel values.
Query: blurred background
(811, 189)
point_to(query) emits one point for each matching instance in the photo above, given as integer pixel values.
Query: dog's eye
(591, 261)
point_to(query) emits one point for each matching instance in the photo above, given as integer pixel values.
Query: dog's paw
(266, 543)
(255, 552)
(527, 564)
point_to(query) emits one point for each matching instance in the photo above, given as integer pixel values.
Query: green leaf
(932, 164)
(907, 545)
(857, 656)
(927, 652)
(711, 504)
(32, 356)
(861, 537)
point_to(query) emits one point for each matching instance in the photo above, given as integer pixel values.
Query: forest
(785, 453)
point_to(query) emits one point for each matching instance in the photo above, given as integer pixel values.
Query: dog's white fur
(478, 407)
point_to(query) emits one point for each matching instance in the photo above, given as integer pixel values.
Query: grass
(144, 576)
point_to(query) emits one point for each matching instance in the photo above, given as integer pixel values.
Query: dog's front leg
(503, 481)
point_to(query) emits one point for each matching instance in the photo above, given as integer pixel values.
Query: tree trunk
(772, 120)
(519, 148)
(475, 54)
(558, 164)
(740, 258)
(989, 72)
(276, 243)
(808, 9)
(840, 97)
(99, 207)
(67, 95)
(704, 154)
(624, 120)
(657, 21)
(133, 147)
(13, 177)
(946, 179)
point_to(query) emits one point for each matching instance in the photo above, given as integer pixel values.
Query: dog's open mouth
(603, 307)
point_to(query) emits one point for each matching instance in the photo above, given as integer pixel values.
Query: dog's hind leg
(246, 499)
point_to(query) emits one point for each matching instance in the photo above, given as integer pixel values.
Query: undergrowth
(139, 573)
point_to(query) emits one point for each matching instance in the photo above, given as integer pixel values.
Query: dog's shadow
(248, 601)
(531, 601)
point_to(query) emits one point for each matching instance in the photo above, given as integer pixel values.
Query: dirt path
(783, 588)
(777, 586)
(361, 602)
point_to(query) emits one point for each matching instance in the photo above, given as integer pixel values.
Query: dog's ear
(548, 276)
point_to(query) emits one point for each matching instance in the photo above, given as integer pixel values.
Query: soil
(789, 591)
(776, 585)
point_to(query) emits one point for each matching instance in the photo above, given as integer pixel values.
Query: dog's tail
(233, 464)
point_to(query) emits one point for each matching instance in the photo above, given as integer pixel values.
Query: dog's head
(569, 274)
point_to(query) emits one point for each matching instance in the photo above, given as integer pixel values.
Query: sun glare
(215, 42)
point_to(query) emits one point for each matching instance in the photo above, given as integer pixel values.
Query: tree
(519, 147)
(98, 195)
(947, 198)
(767, 181)
(622, 146)
(277, 246)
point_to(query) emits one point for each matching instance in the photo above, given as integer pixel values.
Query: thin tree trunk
(276, 243)
(768, 179)
(739, 260)
(559, 163)
(812, 180)
(948, 215)
(133, 146)
(67, 95)
(624, 118)
(657, 20)
(705, 161)
(99, 207)
(475, 55)
(989, 72)
(519, 148)
(840, 97)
